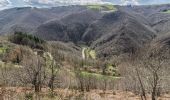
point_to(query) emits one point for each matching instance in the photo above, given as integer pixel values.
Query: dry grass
(20, 93)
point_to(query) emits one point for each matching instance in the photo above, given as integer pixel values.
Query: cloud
(4, 3)
(65, 2)
(143, 2)
(51, 3)
(129, 2)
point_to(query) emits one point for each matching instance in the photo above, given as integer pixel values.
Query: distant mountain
(156, 15)
(123, 33)
(28, 19)
(68, 28)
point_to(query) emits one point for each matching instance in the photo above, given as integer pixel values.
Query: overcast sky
(49, 3)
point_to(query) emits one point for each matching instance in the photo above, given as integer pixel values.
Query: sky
(51, 3)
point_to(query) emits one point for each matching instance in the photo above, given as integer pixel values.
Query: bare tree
(33, 71)
(52, 78)
(149, 65)
(134, 60)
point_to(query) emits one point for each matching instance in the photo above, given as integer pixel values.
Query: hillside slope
(110, 31)
(28, 19)
(68, 28)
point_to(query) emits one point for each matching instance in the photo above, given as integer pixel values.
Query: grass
(9, 65)
(105, 7)
(95, 7)
(3, 49)
(166, 11)
(97, 76)
(92, 53)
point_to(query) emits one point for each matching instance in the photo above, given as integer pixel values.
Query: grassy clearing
(95, 7)
(97, 76)
(92, 53)
(166, 12)
(102, 7)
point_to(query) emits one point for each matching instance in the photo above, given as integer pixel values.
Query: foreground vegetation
(43, 68)
(39, 64)
(67, 94)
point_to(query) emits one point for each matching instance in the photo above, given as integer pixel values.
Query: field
(102, 7)
(166, 12)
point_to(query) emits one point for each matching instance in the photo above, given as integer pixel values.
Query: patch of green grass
(97, 76)
(166, 11)
(94, 7)
(110, 7)
(105, 7)
(29, 96)
(9, 65)
(3, 49)
(92, 53)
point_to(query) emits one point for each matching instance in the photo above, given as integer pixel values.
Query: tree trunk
(37, 88)
(51, 83)
(143, 96)
(155, 83)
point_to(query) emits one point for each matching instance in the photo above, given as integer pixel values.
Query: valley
(72, 52)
